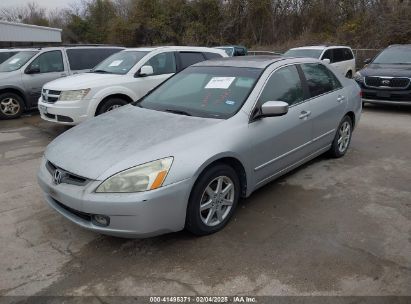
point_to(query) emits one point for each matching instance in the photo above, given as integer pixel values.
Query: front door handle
(340, 98)
(304, 114)
(63, 74)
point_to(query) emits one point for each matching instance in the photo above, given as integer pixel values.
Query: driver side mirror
(34, 69)
(146, 70)
(326, 60)
(274, 108)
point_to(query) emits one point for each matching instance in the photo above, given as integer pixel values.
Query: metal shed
(27, 33)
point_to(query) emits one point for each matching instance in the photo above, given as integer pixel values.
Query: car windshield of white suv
(394, 56)
(17, 61)
(216, 92)
(310, 53)
(119, 63)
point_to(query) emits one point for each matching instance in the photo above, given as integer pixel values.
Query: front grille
(68, 178)
(50, 96)
(85, 216)
(386, 82)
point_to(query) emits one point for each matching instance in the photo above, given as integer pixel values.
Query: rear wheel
(11, 106)
(342, 138)
(110, 104)
(213, 200)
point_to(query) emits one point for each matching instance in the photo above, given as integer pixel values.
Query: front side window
(16, 61)
(394, 55)
(48, 62)
(284, 85)
(119, 63)
(328, 55)
(320, 80)
(190, 58)
(216, 92)
(163, 63)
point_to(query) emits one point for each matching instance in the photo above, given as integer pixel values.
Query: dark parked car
(387, 78)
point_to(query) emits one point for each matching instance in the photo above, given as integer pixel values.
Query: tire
(110, 104)
(11, 106)
(219, 209)
(349, 74)
(342, 138)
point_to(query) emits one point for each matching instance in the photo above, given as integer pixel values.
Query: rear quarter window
(86, 59)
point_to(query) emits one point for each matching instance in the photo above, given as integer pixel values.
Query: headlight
(144, 177)
(73, 95)
(358, 77)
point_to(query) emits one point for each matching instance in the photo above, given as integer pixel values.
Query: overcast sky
(49, 4)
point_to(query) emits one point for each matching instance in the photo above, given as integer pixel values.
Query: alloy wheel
(344, 136)
(9, 106)
(217, 201)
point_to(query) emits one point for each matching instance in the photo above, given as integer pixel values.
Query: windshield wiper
(101, 71)
(178, 112)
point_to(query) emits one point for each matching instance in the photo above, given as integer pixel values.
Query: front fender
(106, 92)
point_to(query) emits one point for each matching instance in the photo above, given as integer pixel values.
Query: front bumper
(143, 214)
(386, 96)
(67, 112)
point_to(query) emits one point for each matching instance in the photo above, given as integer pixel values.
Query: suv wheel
(110, 104)
(213, 200)
(11, 106)
(342, 138)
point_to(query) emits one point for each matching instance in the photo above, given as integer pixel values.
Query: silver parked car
(183, 155)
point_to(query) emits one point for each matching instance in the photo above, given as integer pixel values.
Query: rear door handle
(304, 114)
(340, 98)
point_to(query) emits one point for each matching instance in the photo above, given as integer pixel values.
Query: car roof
(404, 46)
(177, 48)
(319, 47)
(260, 62)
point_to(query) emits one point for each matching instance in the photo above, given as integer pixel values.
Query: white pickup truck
(120, 79)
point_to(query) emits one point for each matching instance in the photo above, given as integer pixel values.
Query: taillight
(360, 94)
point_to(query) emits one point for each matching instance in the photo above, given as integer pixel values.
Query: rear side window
(209, 55)
(338, 55)
(347, 54)
(283, 85)
(86, 59)
(190, 58)
(320, 80)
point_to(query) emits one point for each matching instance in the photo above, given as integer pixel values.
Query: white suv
(340, 57)
(120, 79)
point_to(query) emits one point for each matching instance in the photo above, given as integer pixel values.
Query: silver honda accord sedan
(183, 155)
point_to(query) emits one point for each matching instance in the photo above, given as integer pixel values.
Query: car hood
(390, 70)
(83, 81)
(123, 138)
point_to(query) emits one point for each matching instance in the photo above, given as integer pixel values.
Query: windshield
(217, 92)
(119, 63)
(394, 56)
(17, 61)
(311, 53)
(6, 55)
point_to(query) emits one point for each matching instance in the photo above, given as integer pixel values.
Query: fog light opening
(101, 220)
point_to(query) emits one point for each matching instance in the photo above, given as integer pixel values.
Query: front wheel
(110, 104)
(213, 200)
(11, 106)
(342, 138)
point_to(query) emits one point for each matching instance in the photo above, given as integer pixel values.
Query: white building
(26, 34)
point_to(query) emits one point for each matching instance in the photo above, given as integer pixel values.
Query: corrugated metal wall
(16, 32)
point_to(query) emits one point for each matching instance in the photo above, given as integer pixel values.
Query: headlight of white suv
(144, 177)
(73, 95)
